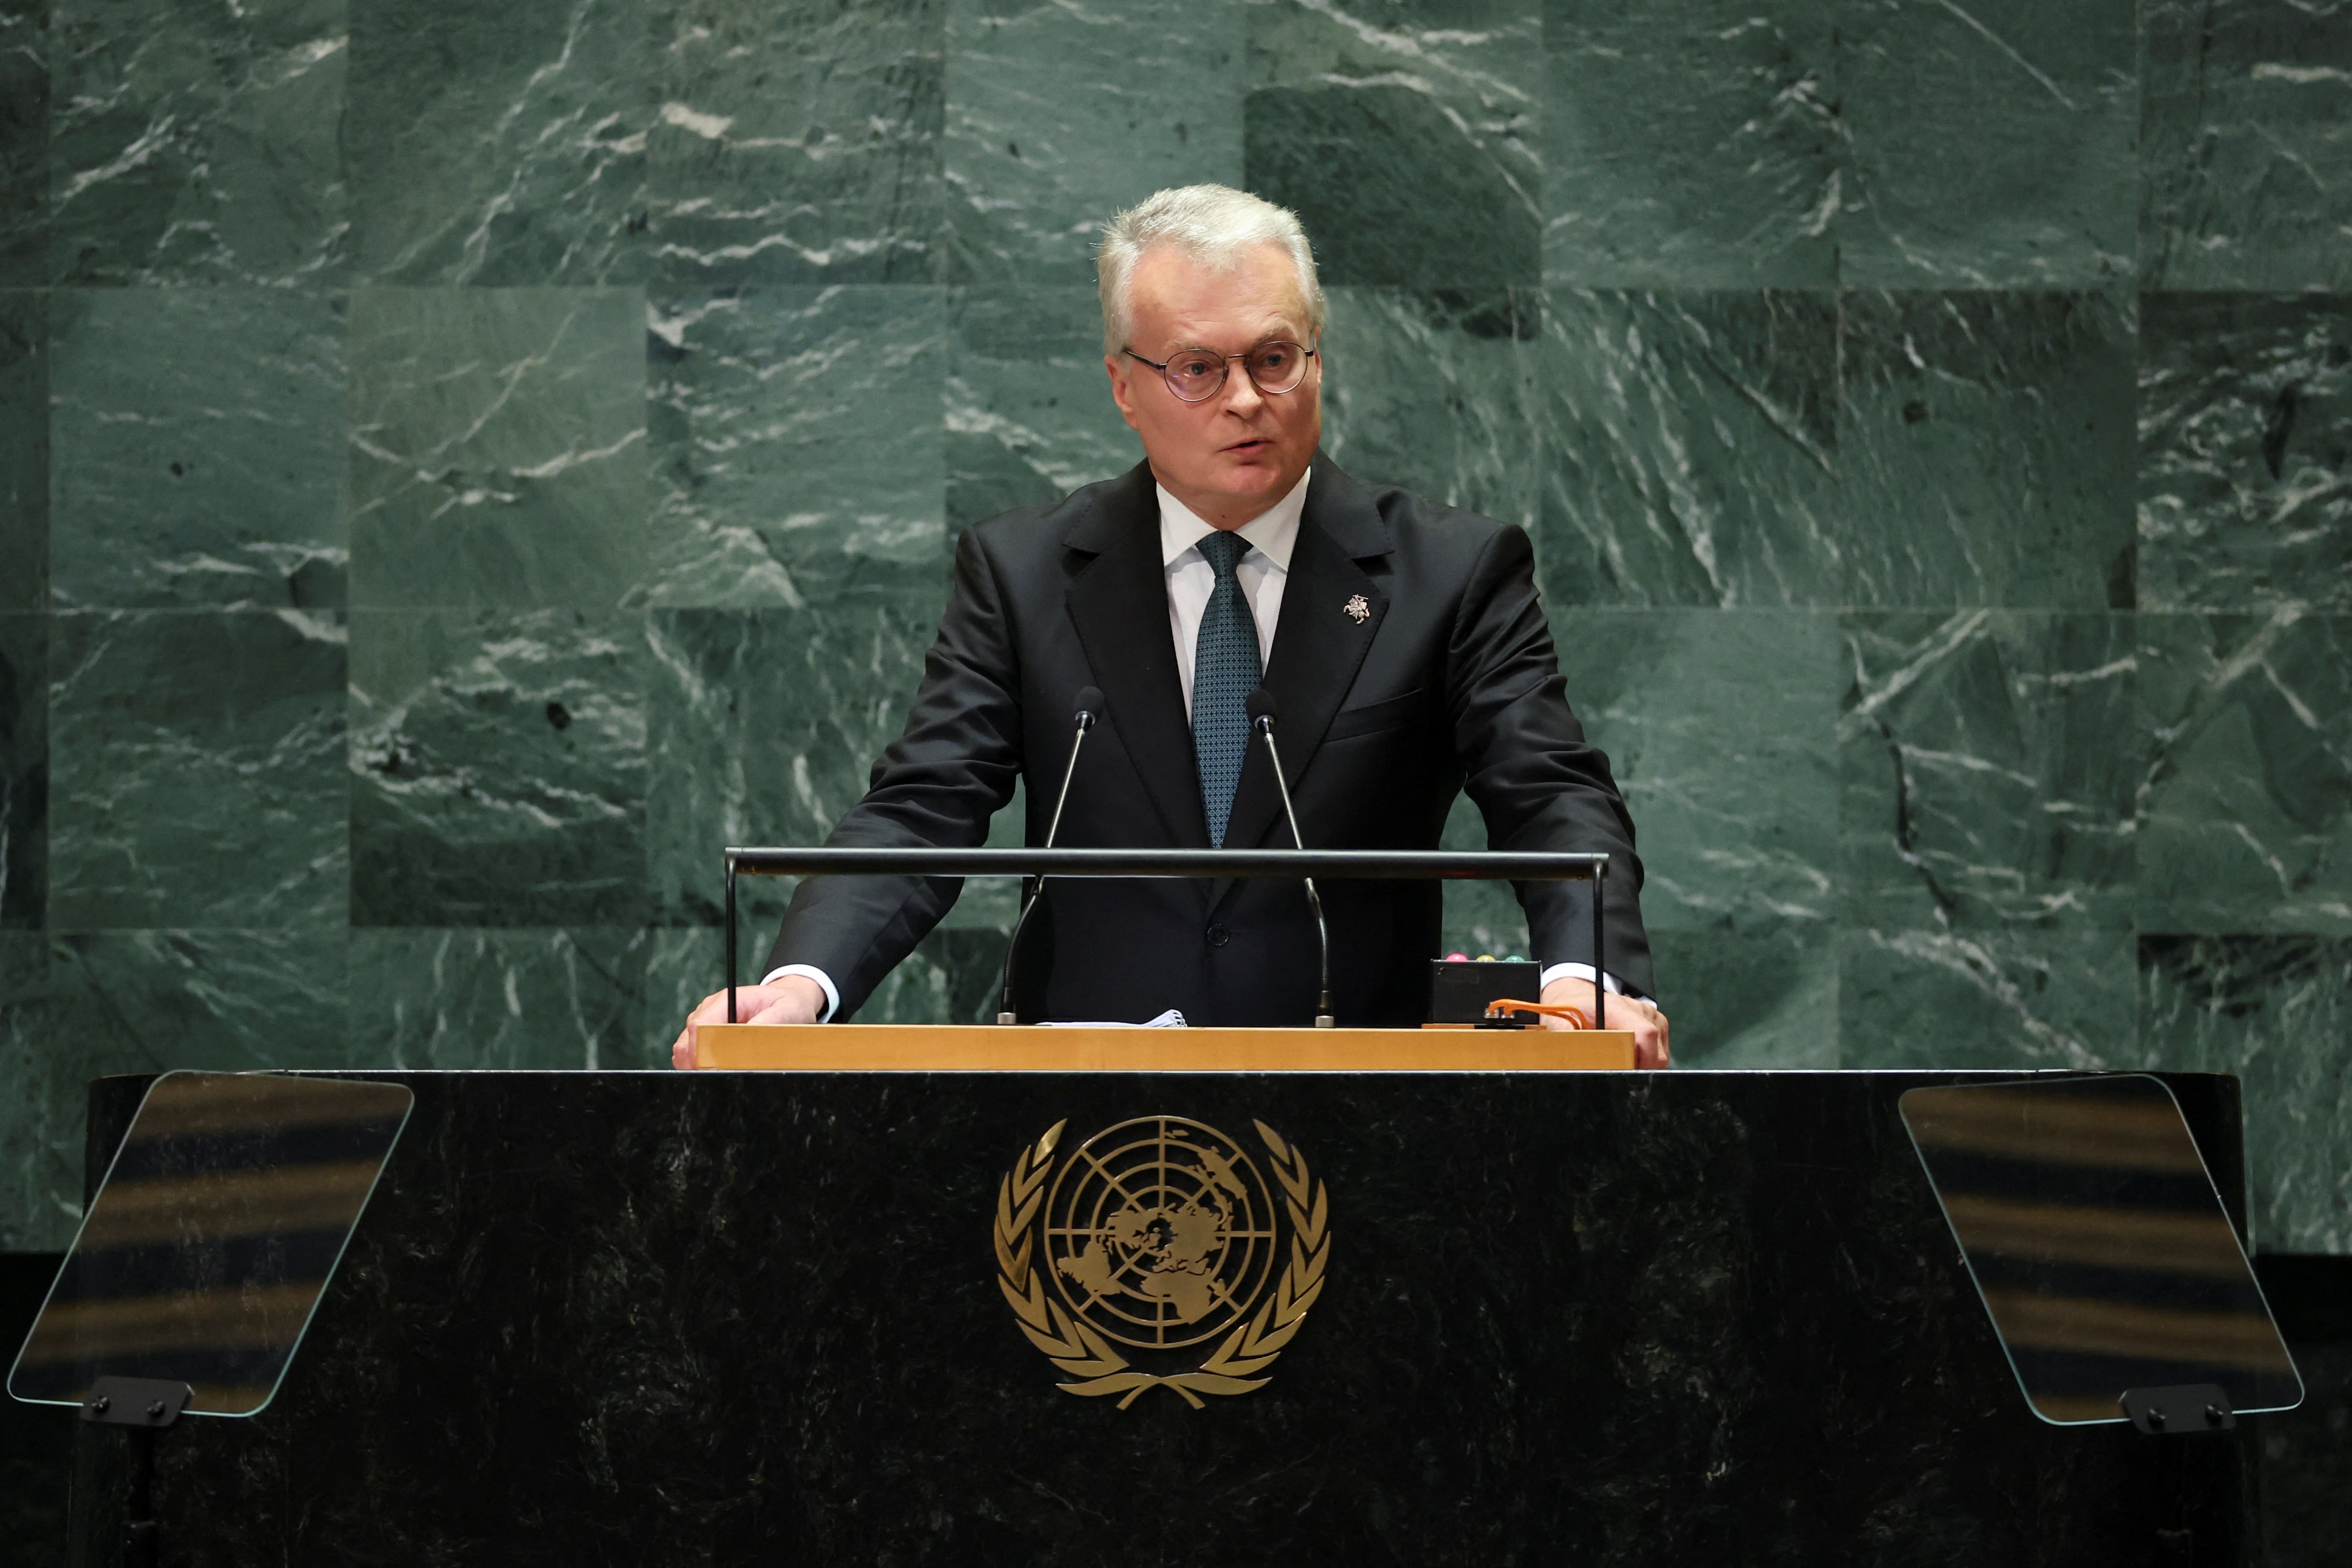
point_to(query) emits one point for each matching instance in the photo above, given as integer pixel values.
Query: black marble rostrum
(1579, 1318)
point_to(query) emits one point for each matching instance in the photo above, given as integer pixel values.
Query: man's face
(1235, 454)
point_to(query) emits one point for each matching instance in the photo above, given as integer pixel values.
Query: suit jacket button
(1217, 936)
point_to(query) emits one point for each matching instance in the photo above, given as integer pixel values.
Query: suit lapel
(1320, 643)
(1119, 605)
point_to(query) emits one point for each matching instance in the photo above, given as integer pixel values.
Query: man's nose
(1242, 396)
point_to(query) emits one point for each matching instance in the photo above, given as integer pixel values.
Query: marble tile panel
(683, 964)
(1440, 393)
(24, 769)
(508, 1000)
(1988, 146)
(1691, 448)
(2245, 144)
(795, 438)
(1932, 996)
(1988, 766)
(196, 770)
(1721, 728)
(1985, 449)
(1480, 917)
(144, 1001)
(764, 725)
(24, 448)
(198, 438)
(2277, 1012)
(1405, 134)
(499, 144)
(1690, 146)
(2246, 804)
(2245, 452)
(498, 769)
(796, 140)
(24, 142)
(1059, 116)
(198, 143)
(152, 1002)
(229, 1001)
(498, 453)
(951, 977)
(1755, 1000)
(27, 1138)
(1029, 415)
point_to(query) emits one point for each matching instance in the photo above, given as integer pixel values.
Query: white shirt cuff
(825, 983)
(1576, 971)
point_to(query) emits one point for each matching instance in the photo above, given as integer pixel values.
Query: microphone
(1089, 709)
(1261, 708)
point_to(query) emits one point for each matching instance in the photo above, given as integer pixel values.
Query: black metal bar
(730, 936)
(141, 1530)
(1386, 865)
(1600, 974)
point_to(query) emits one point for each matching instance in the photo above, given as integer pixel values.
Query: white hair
(1213, 223)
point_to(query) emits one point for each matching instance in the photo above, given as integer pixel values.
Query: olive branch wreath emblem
(1082, 1353)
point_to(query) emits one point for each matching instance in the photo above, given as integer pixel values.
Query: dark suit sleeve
(1526, 766)
(937, 784)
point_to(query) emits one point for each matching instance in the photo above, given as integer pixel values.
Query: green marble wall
(461, 465)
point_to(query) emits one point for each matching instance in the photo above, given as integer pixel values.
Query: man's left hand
(1649, 1024)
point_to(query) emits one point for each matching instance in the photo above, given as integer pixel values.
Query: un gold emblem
(1153, 1239)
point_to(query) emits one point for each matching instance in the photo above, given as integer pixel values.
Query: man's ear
(1120, 393)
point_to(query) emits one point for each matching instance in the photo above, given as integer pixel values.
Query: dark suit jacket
(1451, 683)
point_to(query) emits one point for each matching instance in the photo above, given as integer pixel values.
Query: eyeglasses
(1198, 375)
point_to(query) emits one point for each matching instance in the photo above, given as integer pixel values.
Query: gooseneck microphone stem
(1090, 701)
(1086, 721)
(1324, 1019)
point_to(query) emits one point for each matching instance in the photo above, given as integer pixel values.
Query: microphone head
(1089, 706)
(1259, 704)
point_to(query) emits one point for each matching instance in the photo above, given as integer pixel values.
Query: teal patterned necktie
(1224, 672)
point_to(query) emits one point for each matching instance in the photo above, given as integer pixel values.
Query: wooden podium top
(991, 1047)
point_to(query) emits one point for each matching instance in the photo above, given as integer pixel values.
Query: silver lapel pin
(1359, 608)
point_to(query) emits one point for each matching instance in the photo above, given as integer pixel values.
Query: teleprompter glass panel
(2099, 1244)
(214, 1233)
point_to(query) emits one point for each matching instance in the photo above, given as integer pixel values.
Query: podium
(1013, 1048)
(1434, 1316)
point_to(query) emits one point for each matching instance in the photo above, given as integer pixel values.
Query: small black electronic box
(1460, 988)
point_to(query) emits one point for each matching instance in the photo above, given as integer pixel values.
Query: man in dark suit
(1402, 641)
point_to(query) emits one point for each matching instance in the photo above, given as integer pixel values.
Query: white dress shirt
(1260, 574)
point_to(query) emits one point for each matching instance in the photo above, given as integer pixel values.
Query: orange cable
(1558, 1010)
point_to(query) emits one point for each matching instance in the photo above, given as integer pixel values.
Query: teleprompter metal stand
(1360, 865)
(2173, 1412)
(2179, 1410)
(145, 1406)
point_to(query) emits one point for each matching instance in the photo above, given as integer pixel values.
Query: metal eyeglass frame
(1305, 351)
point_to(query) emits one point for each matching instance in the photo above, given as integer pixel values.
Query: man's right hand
(794, 999)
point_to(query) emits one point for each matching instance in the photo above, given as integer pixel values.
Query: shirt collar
(1271, 532)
